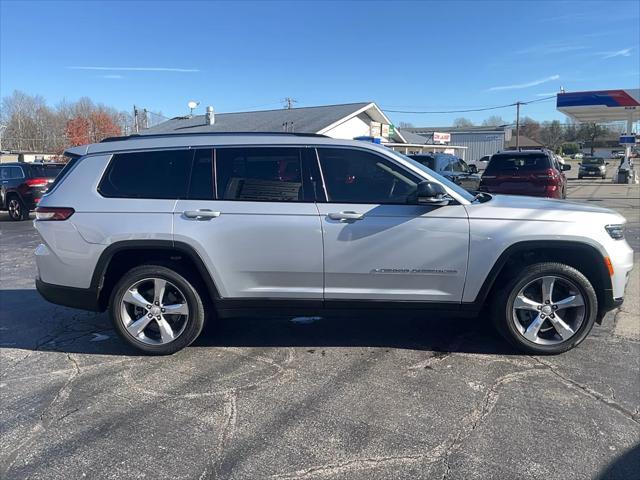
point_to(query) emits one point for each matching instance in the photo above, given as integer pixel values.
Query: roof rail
(204, 134)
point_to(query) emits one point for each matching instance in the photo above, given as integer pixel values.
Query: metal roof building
(346, 121)
(478, 141)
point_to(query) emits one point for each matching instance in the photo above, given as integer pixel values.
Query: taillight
(548, 174)
(53, 213)
(37, 182)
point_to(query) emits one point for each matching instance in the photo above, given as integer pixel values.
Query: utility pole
(135, 119)
(288, 101)
(518, 125)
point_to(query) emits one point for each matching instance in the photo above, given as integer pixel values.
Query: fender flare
(529, 245)
(99, 272)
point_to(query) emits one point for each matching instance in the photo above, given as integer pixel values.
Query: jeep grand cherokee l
(161, 230)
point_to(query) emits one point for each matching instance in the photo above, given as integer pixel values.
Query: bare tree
(589, 133)
(494, 121)
(31, 125)
(462, 122)
(552, 135)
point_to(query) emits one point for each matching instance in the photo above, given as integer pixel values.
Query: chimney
(210, 117)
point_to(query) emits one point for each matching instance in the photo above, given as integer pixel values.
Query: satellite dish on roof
(192, 106)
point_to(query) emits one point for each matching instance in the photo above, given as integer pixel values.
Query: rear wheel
(156, 310)
(17, 209)
(548, 308)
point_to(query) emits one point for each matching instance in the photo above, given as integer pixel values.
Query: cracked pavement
(400, 397)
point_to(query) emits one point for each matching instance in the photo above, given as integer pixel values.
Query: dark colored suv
(23, 184)
(451, 167)
(535, 173)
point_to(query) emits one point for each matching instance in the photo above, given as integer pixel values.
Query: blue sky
(250, 55)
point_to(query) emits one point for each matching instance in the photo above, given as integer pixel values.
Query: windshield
(592, 161)
(439, 178)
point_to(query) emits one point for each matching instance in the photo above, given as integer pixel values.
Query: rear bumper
(557, 193)
(82, 298)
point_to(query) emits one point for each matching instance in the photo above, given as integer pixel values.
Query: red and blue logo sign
(608, 98)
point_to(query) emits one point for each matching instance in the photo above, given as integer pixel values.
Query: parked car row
(537, 173)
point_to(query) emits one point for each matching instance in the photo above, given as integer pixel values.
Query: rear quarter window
(160, 174)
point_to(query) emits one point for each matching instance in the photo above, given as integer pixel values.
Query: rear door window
(159, 174)
(260, 174)
(518, 163)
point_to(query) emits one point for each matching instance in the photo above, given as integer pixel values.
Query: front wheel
(548, 308)
(157, 310)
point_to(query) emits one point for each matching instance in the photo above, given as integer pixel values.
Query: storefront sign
(439, 137)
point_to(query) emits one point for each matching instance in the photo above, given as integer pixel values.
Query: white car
(167, 230)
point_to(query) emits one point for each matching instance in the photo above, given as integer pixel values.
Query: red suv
(530, 172)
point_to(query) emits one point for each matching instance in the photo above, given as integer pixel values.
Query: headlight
(615, 231)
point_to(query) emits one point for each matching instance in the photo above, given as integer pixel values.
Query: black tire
(604, 177)
(195, 318)
(579, 177)
(17, 209)
(502, 307)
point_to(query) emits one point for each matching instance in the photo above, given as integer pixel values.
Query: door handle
(346, 216)
(203, 214)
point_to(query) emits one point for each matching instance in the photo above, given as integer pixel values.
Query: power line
(468, 110)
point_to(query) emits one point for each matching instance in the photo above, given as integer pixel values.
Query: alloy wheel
(15, 209)
(154, 311)
(549, 310)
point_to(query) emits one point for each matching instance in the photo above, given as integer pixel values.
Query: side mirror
(429, 193)
(566, 167)
(473, 168)
(606, 163)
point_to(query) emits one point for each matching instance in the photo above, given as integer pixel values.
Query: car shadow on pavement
(28, 322)
(624, 467)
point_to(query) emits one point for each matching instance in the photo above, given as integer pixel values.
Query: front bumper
(591, 173)
(82, 298)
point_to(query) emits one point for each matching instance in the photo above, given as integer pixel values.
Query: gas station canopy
(601, 106)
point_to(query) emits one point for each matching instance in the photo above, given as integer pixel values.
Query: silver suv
(167, 230)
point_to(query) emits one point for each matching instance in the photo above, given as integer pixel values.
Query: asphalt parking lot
(358, 398)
